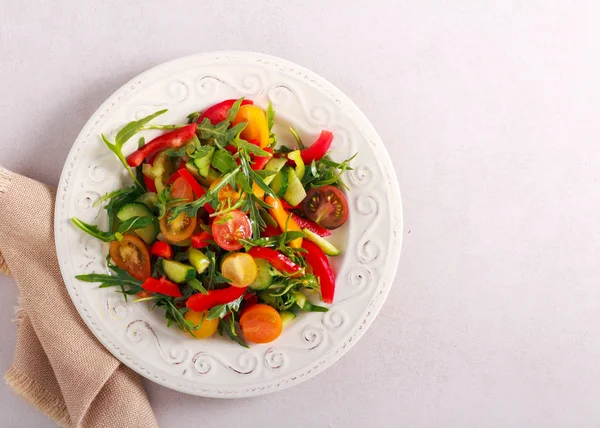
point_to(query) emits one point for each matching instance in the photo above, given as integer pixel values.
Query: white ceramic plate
(371, 239)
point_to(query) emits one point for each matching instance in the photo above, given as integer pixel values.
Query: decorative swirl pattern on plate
(312, 335)
(178, 91)
(136, 332)
(251, 85)
(333, 319)
(97, 173)
(319, 115)
(117, 310)
(246, 363)
(360, 279)
(367, 250)
(361, 175)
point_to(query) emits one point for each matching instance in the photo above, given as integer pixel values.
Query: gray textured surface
(490, 114)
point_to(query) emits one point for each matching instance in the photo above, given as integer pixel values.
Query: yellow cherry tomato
(240, 268)
(257, 129)
(207, 327)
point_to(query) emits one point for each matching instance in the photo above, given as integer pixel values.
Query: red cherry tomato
(229, 228)
(182, 190)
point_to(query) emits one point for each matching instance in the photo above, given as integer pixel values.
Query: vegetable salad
(222, 228)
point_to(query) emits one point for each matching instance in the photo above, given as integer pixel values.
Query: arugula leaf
(264, 173)
(197, 285)
(220, 133)
(270, 116)
(111, 195)
(130, 224)
(297, 138)
(235, 108)
(193, 117)
(272, 241)
(134, 223)
(191, 208)
(223, 161)
(133, 128)
(229, 329)
(123, 136)
(249, 147)
(220, 311)
(127, 284)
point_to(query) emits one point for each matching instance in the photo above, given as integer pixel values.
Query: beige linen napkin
(59, 366)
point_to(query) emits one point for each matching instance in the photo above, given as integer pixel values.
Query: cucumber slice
(177, 271)
(300, 168)
(264, 278)
(198, 260)
(189, 165)
(137, 209)
(295, 193)
(274, 164)
(280, 181)
(203, 163)
(300, 298)
(327, 247)
(287, 317)
(149, 199)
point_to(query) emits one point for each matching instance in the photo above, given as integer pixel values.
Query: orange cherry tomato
(261, 324)
(131, 254)
(257, 129)
(182, 190)
(229, 228)
(179, 229)
(227, 192)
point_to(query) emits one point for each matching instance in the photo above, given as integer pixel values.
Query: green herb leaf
(93, 230)
(270, 116)
(197, 285)
(134, 223)
(235, 108)
(223, 161)
(229, 329)
(297, 138)
(133, 128)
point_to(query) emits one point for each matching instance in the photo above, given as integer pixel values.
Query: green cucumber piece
(264, 278)
(198, 260)
(149, 199)
(300, 298)
(203, 163)
(297, 158)
(275, 165)
(280, 181)
(327, 247)
(177, 271)
(137, 209)
(287, 317)
(294, 193)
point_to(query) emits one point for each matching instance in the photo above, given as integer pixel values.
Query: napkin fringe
(3, 266)
(40, 398)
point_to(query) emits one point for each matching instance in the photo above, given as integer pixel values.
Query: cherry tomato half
(229, 228)
(207, 327)
(227, 192)
(182, 190)
(326, 206)
(257, 129)
(178, 229)
(261, 324)
(131, 254)
(240, 268)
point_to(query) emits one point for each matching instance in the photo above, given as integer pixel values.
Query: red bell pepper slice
(196, 187)
(173, 177)
(270, 231)
(201, 302)
(279, 261)
(311, 225)
(161, 249)
(317, 259)
(259, 162)
(150, 184)
(170, 140)
(162, 286)
(318, 149)
(218, 112)
(287, 206)
(200, 240)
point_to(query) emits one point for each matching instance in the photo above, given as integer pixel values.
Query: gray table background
(490, 113)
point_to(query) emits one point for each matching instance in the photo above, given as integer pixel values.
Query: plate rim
(335, 353)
